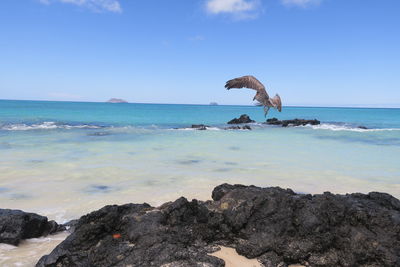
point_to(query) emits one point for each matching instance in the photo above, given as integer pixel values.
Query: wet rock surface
(242, 119)
(274, 225)
(16, 225)
(294, 122)
(199, 126)
(245, 127)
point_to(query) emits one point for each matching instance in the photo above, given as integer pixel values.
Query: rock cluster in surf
(199, 126)
(295, 122)
(274, 225)
(244, 118)
(203, 127)
(16, 225)
(244, 127)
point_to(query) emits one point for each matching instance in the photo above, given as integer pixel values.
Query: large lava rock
(16, 225)
(139, 235)
(242, 119)
(294, 122)
(276, 226)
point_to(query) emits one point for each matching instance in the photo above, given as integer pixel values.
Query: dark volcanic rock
(276, 226)
(362, 127)
(200, 126)
(138, 235)
(16, 225)
(244, 127)
(242, 119)
(295, 122)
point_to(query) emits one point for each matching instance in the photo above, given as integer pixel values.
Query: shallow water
(63, 160)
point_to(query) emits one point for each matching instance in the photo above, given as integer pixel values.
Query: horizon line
(377, 106)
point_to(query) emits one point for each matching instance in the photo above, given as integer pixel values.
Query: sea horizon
(366, 106)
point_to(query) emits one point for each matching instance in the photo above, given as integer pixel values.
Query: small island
(116, 100)
(213, 104)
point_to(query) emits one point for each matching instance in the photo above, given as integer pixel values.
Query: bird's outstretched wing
(247, 82)
(276, 100)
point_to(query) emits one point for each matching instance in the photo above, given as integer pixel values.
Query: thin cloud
(64, 96)
(240, 9)
(301, 3)
(94, 5)
(197, 38)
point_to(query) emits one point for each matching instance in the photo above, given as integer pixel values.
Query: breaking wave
(47, 125)
(51, 125)
(195, 129)
(338, 127)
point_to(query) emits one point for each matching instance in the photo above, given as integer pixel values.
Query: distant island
(213, 104)
(117, 100)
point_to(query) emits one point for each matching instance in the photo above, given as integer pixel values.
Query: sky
(311, 52)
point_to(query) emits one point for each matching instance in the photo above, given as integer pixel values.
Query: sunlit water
(64, 159)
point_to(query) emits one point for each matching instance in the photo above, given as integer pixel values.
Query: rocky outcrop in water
(274, 225)
(199, 126)
(242, 119)
(295, 122)
(203, 127)
(116, 100)
(244, 127)
(16, 225)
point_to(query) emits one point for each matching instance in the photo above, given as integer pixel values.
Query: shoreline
(227, 201)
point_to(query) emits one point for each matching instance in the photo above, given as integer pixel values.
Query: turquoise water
(167, 115)
(64, 159)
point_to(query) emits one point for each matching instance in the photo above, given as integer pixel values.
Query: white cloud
(300, 3)
(94, 5)
(239, 8)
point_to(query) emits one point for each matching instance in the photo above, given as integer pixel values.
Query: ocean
(65, 159)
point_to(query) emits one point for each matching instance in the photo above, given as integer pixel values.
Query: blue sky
(326, 52)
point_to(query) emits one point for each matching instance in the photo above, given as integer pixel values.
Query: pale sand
(233, 259)
(30, 251)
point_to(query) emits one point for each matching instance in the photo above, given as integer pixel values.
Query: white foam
(5, 247)
(335, 127)
(213, 128)
(194, 129)
(29, 251)
(47, 125)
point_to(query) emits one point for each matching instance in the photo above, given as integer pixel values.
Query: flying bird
(261, 96)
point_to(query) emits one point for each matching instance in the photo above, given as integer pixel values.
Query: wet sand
(29, 251)
(233, 259)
